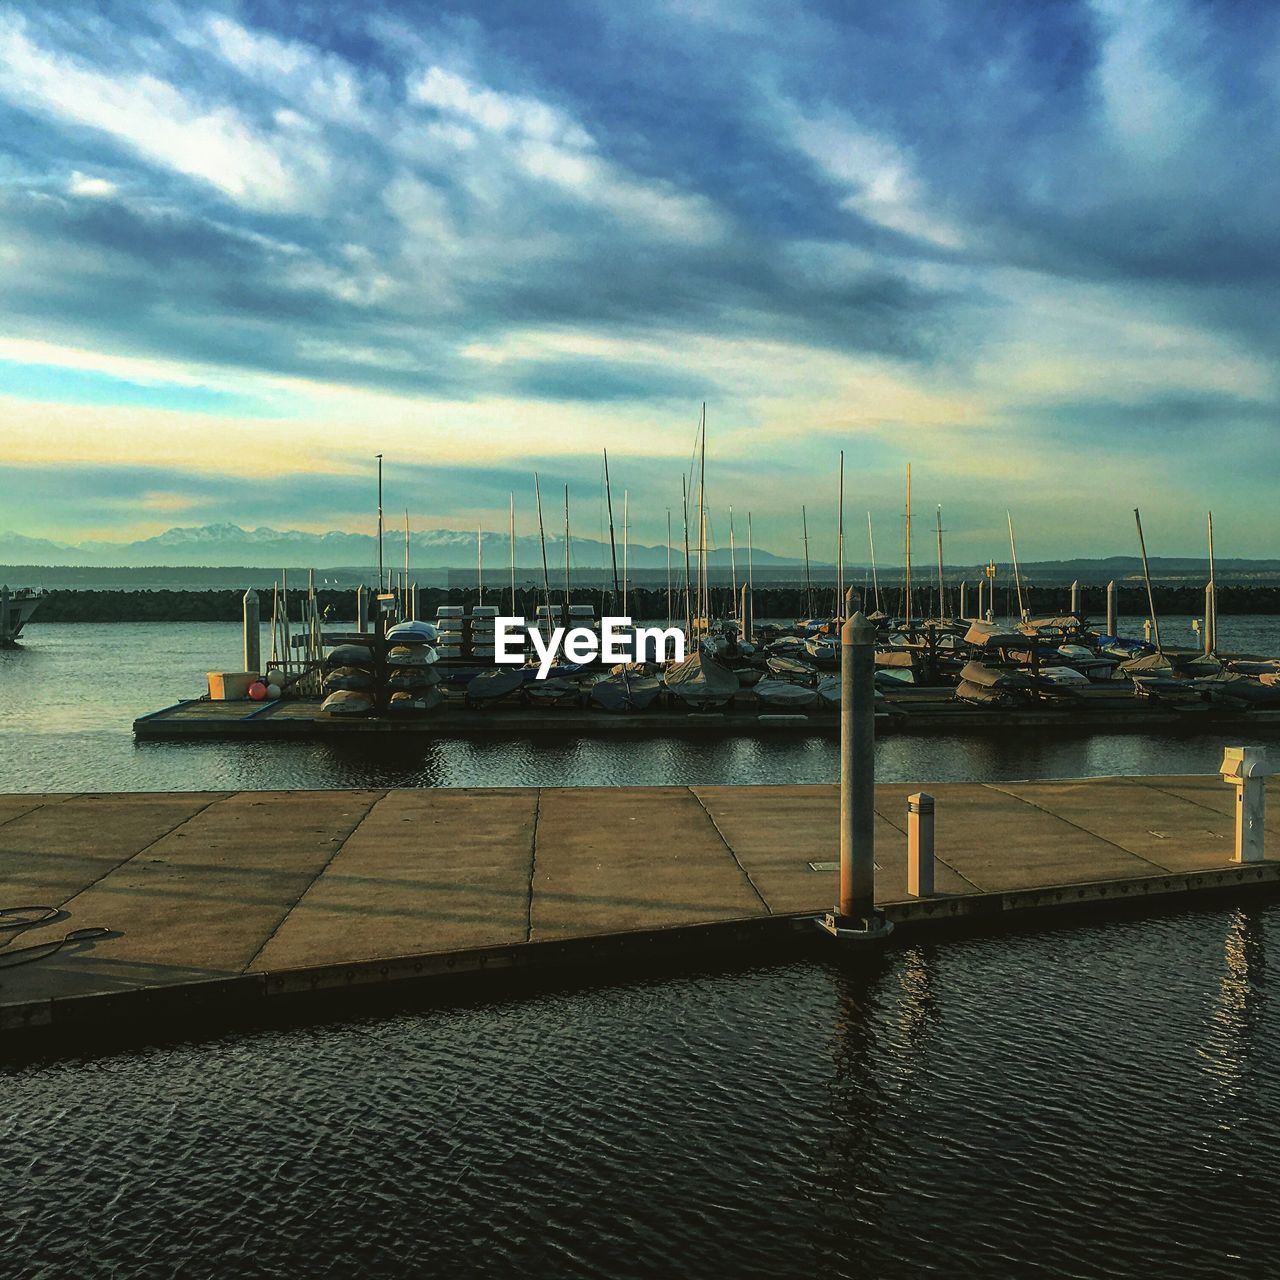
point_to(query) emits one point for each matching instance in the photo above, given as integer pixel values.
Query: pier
(912, 710)
(222, 904)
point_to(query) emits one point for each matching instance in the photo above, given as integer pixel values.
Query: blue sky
(1031, 249)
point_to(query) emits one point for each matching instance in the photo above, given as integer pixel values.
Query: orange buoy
(258, 691)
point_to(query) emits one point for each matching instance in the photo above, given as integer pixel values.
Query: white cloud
(159, 123)
(325, 84)
(539, 141)
(81, 184)
(1146, 77)
(880, 177)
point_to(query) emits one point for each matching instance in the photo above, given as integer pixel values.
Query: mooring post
(1247, 768)
(920, 845)
(964, 599)
(4, 615)
(1210, 619)
(980, 615)
(849, 609)
(252, 633)
(1077, 600)
(362, 609)
(746, 611)
(413, 602)
(855, 917)
(1113, 613)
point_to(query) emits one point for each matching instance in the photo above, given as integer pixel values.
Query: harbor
(216, 907)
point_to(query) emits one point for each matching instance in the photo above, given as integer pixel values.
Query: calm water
(1099, 1101)
(68, 699)
(1094, 1101)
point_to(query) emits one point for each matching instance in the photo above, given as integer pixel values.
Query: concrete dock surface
(258, 893)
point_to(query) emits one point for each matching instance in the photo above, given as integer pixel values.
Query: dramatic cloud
(1031, 248)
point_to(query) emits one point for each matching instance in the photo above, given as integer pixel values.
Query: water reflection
(1229, 1048)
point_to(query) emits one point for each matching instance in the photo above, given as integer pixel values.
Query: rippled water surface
(1099, 1101)
(68, 699)
(1095, 1101)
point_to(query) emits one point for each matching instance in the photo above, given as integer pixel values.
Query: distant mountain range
(219, 545)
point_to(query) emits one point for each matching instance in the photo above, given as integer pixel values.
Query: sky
(1031, 249)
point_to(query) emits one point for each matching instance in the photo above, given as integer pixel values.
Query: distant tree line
(645, 603)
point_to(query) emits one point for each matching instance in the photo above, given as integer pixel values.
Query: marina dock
(912, 710)
(218, 904)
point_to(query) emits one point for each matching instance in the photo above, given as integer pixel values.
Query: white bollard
(1113, 609)
(1247, 769)
(920, 845)
(1077, 600)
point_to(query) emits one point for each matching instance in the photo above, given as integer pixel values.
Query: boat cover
(782, 693)
(700, 680)
(488, 686)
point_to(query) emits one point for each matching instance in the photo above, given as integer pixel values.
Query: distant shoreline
(645, 603)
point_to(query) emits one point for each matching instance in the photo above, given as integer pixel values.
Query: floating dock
(224, 905)
(913, 710)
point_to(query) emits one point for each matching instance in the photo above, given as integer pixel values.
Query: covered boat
(347, 702)
(403, 701)
(552, 692)
(700, 681)
(792, 669)
(782, 694)
(489, 686)
(630, 686)
(986, 676)
(993, 635)
(414, 632)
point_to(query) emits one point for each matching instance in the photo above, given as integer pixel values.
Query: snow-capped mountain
(216, 545)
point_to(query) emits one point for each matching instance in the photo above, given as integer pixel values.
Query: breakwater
(643, 603)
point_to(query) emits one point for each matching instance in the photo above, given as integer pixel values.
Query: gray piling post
(1210, 619)
(980, 615)
(1248, 768)
(1113, 612)
(920, 845)
(252, 633)
(855, 917)
(362, 609)
(1077, 604)
(4, 615)
(849, 609)
(964, 600)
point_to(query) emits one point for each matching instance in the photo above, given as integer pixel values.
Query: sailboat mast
(668, 566)
(511, 529)
(480, 563)
(1212, 579)
(808, 580)
(626, 543)
(688, 584)
(566, 555)
(733, 563)
(908, 540)
(1146, 577)
(840, 543)
(875, 579)
(1017, 575)
(613, 548)
(542, 539)
(704, 593)
(942, 604)
(380, 569)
